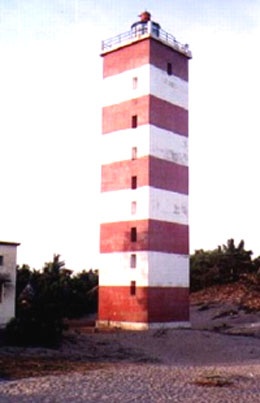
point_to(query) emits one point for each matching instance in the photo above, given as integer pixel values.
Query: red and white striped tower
(144, 233)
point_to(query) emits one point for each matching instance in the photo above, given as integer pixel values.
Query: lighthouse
(144, 229)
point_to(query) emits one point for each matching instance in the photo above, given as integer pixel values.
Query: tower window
(133, 261)
(133, 234)
(1, 292)
(1, 260)
(132, 288)
(134, 121)
(134, 182)
(134, 153)
(169, 69)
(135, 82)
(133, 207)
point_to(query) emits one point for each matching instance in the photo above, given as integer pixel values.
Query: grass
(24, 367)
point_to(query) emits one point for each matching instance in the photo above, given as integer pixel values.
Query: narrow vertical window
(132, 288)
(134, 182)
(133, 207)
(134, 153)
(169, 69)
(133, 234)
(1, 260)
(134, 121)
(133, 261)
(135, 82)
(1, 292)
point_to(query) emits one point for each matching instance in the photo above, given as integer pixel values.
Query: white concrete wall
(7, 304)
(169, 88)
(116, 269)
(168, 206)
(151, 203)
(149, 140)
(115, 206)
(150, 80)
(155, 269)
(168, 146)
(168, 270)
(117, 146)
(119, 87)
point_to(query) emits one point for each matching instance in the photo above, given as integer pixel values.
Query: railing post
(149, 27)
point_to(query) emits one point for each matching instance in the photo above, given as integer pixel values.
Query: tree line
(225, 264)
(44, 298)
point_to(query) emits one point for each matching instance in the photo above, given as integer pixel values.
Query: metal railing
(142, 32)
(111, 43)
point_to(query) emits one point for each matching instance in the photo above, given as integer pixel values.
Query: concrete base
(101, 324)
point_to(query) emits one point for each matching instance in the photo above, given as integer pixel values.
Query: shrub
(225, 264)
(31, 331)
(45, 298)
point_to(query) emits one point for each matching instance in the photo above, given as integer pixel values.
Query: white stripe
(117, 146)
(119, 87)
(150, 80)
(142, 325)
(153, 269)
(169, 146)
(169, 88)
(149, 140)
(168, 270)
(151, 203)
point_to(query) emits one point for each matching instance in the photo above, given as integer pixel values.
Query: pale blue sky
(50, 78)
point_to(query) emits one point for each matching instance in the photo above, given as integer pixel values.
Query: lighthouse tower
(144, 233)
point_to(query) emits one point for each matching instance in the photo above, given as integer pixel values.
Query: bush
(45, 298)
(31, 331)
(35, 325)
(223, 265)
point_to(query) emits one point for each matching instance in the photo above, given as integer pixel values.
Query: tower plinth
(144, 232)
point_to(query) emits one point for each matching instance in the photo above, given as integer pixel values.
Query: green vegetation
(228, 263)
(45, 298)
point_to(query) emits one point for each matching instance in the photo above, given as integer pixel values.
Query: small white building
(7, 281)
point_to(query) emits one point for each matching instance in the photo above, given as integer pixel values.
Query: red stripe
(145, 52)
(149, 305)
(161, 55)
(150, 171)
(167, 116)
(152, 235)
(126, 58)
(117, 175)
(169, 176)
(149, 110)
(119, 116)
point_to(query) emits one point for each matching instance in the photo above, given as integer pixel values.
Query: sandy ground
(219, 333)
(217, 360)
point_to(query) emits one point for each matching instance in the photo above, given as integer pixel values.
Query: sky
(50, 121)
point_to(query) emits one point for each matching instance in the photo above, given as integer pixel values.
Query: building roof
(9, 243)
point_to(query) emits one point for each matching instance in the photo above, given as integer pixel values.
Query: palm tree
(235, 260)
(55, 266)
